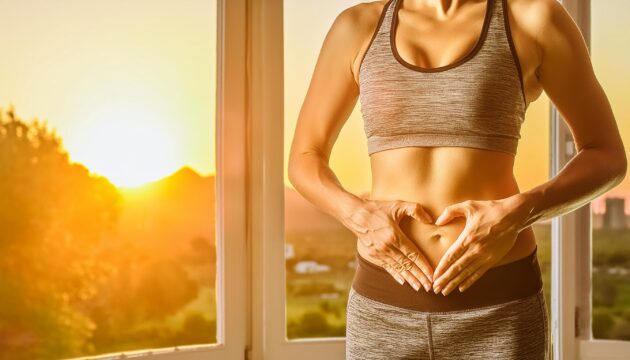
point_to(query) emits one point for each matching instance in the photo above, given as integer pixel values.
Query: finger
(453, 252)
(400, 267)
(421, 268)
(457, 267)
(451, 212)
(461, 276)
(410, 251)
(411, 270)
(418, 212)
(395, 274)
(467, 283)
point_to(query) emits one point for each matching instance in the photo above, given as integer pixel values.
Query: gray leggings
(513, 330)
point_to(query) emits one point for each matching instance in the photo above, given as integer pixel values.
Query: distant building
(614, 217)
(289, 251)
(309, 267)
(597, 220)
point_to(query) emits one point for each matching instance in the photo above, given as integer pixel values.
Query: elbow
(293, 172)
(621, 168)
(298, 163)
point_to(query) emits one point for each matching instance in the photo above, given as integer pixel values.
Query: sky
(130, 85)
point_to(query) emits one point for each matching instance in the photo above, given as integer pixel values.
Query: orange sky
(130, 85)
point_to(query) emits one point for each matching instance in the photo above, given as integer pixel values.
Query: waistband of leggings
(512, 281)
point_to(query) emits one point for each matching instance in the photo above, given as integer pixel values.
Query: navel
(436, 237)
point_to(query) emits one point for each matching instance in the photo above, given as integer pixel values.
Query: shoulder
(546, 22)
(531, 16)
(352, 30)
(354, 25)
(363, 13)
(542, 19)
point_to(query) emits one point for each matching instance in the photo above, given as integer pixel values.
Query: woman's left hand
(490, 232)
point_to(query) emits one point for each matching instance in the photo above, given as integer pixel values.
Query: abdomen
(440, 176)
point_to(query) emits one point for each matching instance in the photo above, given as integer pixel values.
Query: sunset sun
(130, 146)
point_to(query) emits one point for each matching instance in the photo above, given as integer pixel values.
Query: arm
(330, 99)
(566, 74)
(600, 164)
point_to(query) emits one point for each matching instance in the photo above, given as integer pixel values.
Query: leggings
(381, 326)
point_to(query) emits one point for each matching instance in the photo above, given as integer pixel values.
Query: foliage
(69, 285)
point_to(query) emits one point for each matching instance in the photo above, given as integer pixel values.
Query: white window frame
(231, 199)
(269, 339)
(571, 233)
(571, 249)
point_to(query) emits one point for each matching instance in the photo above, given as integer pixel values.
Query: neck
(442, 8)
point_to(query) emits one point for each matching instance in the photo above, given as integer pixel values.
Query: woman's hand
(377, 227)
(490, 232)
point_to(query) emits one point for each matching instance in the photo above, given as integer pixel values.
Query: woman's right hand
(376, 225)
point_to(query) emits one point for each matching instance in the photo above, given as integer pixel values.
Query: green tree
(603, 323)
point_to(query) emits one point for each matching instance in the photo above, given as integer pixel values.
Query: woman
(444, 86)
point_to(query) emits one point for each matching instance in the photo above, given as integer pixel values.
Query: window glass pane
(611, 223)
(107, 168)
(319, 251)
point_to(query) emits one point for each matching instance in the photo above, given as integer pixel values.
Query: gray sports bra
(478, 101)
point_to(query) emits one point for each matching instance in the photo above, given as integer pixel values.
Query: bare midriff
(437, 177)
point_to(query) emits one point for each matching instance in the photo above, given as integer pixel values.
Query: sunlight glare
(130, 146)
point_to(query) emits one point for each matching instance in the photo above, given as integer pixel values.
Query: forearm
(316, 182)
(586, 176)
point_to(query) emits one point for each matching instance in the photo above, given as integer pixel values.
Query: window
(610, 212)
(114, 202)
(587, 279)
(77, 222)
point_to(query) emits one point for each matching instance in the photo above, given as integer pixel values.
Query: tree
(54, 217)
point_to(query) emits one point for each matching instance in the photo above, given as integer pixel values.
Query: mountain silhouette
(170, 212)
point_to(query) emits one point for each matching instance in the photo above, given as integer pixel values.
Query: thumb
(450, 212)
(416, 211)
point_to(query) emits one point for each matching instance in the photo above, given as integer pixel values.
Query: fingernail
(437, 289)
(427, 287)
(416, 287)
(444, 292)
(401, 281)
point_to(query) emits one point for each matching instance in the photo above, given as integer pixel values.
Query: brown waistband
(500, 284)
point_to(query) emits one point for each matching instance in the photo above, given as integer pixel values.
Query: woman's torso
(421, 175)
(439, 176)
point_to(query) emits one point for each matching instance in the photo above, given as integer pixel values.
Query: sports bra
(477, 101)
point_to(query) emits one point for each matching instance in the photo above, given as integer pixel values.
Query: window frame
(269, 338)
(572, 252)
(231, 198)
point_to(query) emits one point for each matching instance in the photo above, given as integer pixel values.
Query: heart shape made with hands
(446, 260)
(496, 221)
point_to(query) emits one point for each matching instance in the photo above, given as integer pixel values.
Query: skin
(482, 218)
